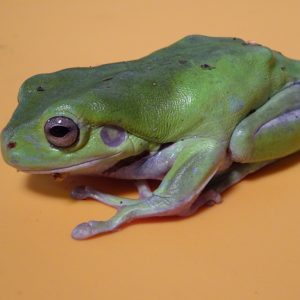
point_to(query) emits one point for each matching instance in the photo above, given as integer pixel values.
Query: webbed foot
(147, 205)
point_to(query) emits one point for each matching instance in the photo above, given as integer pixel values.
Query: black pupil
(59, 131)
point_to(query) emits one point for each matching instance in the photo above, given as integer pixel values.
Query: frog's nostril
(11, 145)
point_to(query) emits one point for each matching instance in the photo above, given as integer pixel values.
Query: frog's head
(60, 125)
(79, 117)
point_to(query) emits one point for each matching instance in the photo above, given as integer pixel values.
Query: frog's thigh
(234, 175)
(272, 131)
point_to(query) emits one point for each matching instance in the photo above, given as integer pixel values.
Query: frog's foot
(127, 209)
(209, 198)
(148, 207)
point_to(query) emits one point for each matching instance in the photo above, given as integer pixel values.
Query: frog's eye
(113, 136)
(61, 131)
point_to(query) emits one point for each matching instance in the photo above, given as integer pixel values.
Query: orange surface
(246, 248)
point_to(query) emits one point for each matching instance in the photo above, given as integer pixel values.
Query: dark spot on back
(207, 67)
(107, 79)
(40, 89)
(283, 68)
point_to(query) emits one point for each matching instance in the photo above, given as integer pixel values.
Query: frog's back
(200, 79)
(200, 48)
(204, 50)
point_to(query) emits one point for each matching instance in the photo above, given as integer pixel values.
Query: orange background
(246, 248)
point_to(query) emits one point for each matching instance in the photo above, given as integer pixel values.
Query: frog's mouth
(65, 169)
(57, 172)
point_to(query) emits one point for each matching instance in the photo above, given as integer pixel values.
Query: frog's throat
(68, 169)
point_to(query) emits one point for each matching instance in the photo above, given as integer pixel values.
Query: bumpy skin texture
(191, 111)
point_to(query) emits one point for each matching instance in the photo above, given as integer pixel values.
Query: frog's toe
(214, 198)
(143, 189)
(82, 231)
(80, 193)
(89, 229)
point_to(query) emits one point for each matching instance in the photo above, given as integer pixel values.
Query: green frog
(198, 115)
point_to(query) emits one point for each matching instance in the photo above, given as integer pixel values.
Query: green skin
(200, 114)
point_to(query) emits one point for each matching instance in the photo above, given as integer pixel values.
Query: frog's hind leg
(272, 131)
(212, 193)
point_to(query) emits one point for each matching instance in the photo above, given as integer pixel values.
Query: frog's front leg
(85, 192)
(192, 169)
(272, 131)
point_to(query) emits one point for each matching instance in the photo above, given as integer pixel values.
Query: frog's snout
(8, 145)
(7, 140)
